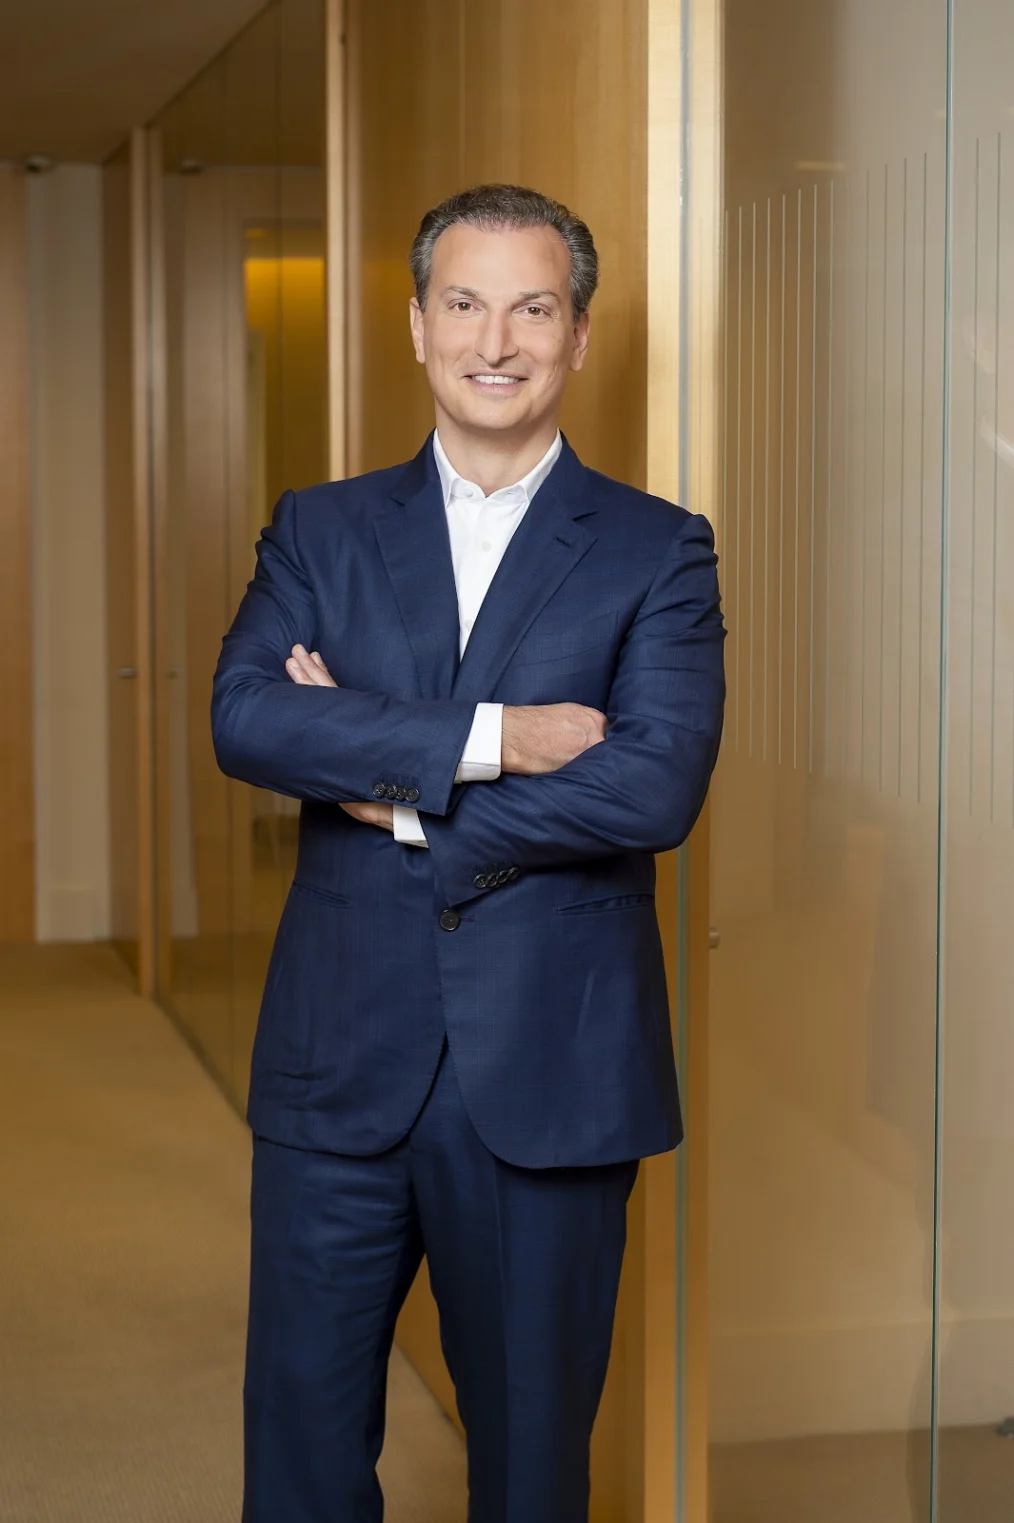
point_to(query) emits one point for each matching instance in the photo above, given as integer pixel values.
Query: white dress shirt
(480, 530)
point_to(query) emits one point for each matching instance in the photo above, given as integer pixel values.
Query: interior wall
(443, 94)
(17, 847)
(68, 564)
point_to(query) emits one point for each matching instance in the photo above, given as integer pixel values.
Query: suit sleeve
(642, 788)
(330, 744)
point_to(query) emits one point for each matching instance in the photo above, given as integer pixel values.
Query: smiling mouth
(496, 382)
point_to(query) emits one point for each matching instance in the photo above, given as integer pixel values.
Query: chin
(494, 418)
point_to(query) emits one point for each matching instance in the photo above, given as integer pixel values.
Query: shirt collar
(455, 485)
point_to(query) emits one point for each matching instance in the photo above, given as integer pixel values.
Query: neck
(493, 461)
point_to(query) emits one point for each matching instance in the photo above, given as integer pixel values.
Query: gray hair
(494, 208)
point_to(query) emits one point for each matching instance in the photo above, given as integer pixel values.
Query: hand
(307, 669)
(372, 813)
(541, 738)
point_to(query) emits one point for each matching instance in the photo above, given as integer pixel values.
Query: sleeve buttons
(411, 795)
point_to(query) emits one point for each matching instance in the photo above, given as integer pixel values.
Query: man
(494, 679)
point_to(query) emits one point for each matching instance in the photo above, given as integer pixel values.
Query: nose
(495, 342)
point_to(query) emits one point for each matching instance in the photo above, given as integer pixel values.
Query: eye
(535, 311)
(461, 305)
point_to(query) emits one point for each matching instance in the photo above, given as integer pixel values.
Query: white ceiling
(77, 75)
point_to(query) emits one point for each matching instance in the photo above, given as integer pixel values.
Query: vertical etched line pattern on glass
(901, 478)
(830, 478)
(781, 491)
(882, 566)
(812, 619)
(847, 486)
(974, 490)
(795, 541)
(863, 492)
(752, 579)
(996, 479)
(739, 467)
(922, 465)
(767, 477)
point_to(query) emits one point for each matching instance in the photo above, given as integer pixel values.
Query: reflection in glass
(241, 213)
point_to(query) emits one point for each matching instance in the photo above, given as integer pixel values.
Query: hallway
(123, 1260)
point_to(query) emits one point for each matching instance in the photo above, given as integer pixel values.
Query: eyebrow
(521, 297)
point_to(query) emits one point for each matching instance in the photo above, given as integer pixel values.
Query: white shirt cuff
(480, 760)
(408, 827)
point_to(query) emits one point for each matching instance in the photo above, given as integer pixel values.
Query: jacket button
(449, 920)
(513, 873)
(503, 875)
(411, 795)
(402, 795)
(391, 790)
(479, 880)
(379, 790)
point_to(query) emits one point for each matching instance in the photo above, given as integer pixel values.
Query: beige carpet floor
(123, 1264)
(865, 1478)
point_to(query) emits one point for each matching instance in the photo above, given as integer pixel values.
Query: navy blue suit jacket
(550, 989)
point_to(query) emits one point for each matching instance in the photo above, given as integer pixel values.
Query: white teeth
(496, 380)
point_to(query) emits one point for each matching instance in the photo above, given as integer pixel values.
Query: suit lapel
(548, 544)
(412, 534)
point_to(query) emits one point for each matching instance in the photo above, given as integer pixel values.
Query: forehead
(501, 260)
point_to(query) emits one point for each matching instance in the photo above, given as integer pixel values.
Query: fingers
(295, 671)
(308, 670)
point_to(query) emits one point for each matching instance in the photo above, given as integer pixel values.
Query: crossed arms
(636, 785)
(534, 739)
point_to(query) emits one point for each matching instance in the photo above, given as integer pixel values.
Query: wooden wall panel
(444, 94)
(404, 67)
(568, 116)
(17, 835)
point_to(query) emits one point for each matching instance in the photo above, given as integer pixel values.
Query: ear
(416, 321)
(582, 329)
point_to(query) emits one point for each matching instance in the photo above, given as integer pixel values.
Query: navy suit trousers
(524, 1265)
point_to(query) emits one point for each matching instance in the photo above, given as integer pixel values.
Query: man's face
(498, 336)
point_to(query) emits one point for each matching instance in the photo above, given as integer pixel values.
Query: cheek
(555, 367)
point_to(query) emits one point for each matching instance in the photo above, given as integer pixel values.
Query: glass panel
(825, 808)
(976, 1370)
(242, 205)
